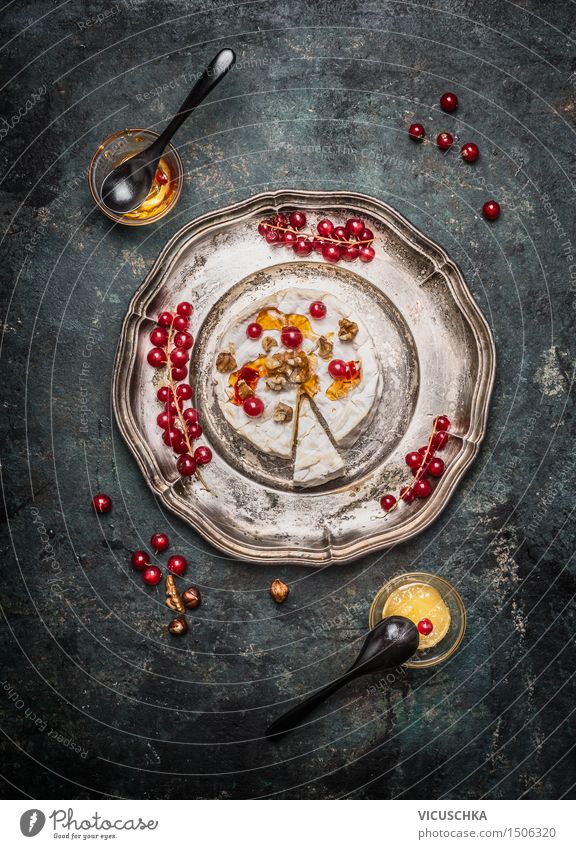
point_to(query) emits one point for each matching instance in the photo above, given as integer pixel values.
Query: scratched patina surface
(97, 700)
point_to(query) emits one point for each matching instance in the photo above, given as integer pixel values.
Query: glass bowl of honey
(167, 184)
(435, 607)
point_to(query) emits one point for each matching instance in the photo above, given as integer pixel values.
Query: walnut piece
(348, 330)
(276, 383)
(174, 602)
(225, 362)
(282, 413)
(268, 343)
(279, 591)
(244, 391)
(325, 348)
(274, 362)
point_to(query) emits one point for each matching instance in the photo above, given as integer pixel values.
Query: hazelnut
(178, 626)
(191, 597)
(279, 591)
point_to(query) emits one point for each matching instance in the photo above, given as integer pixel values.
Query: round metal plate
(436, 353)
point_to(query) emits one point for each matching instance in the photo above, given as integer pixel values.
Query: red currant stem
(317, 236)
(177, 402)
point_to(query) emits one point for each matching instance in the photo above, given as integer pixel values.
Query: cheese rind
(316, 460)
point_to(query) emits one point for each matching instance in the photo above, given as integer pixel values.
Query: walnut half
(348, 330)
(226, 362)
(325, 348)
(268, 343)
(282, 413)
(244, 391)
(276, 382)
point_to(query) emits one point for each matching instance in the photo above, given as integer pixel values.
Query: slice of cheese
(316, 459)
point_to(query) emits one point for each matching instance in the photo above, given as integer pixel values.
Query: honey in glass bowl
(166, 186)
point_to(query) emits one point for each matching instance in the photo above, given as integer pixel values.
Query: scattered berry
(407, 494)
(354, 227)
(439, 440)
(436, 467)
(367, 253)
(425, 627)
(178, 373)
(297, 220)
(422, 488)
(340, 234)
(491, 210)
(337, 369)
(140, 560)
(160, 177)
(184, 391)
(325, 227)
(102, 503)
(194, 430)
(366, 235)
(413, 460)
(449, 101)
(159, 542)
(331, 252)
(152, 575)
(179, 357)
(350, 253)
(184, 308)
(416, 132)
(442, 423)
(291, 337)
(165, 319)
(444, 141)
(156, 357)
(469, 152)
(302, 246)
(186, 465)
(190, 415)
(159, 336)
(165, 394)
(183, 340)
(177, 564)
(180, 323)
(203, 455)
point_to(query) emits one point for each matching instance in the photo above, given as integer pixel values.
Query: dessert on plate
(299, 378)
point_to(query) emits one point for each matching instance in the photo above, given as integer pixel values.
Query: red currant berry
(165, 394)
(184, 308)
(490, 210)
(317, 245)
(425, 627)
(264, 227)
(178, 373)
(351, 371)
(254, 330)
(331, 252)
(172, 409)
(140, 560)
(421, 470)
(160, 177)
(413, 460)
(340, 234)
(164, 419)
(367, 253)
(317, 309)
(186, 465)
(337, 369)
(203, 455)
(181, 448)
(194, 430)
(172, 436)
(253, 406)
(177, 564)
(387, 502)
(156, 357)
(152, 575)
(165, 319)
(407, 494)
(354, 227)
(183, 340)
(439, 440)
(448, 101)
(184, 391)
(297, 220)
(350, 253)
(302, 246)
(422, 488)
(469, 152)
(325, 227)
(102, 503)
(436, 467)
(273, 237)
(159, 542)
(416, 132)
(289, 238)
(190, 415)
(179, 357)
(180, 323)
(366, 235)
(442, 423)
(425, 452)
(444, 141)
(159, 336)
(291, 337)
(280, 220)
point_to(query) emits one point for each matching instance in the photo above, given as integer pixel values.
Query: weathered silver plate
(438, 357)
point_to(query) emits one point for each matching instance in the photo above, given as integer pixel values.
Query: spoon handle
(295, 715)
(214, 73)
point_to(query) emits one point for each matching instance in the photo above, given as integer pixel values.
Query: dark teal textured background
(96, 699)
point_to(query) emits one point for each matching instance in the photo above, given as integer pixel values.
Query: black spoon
(391, 643)
(127, 185)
